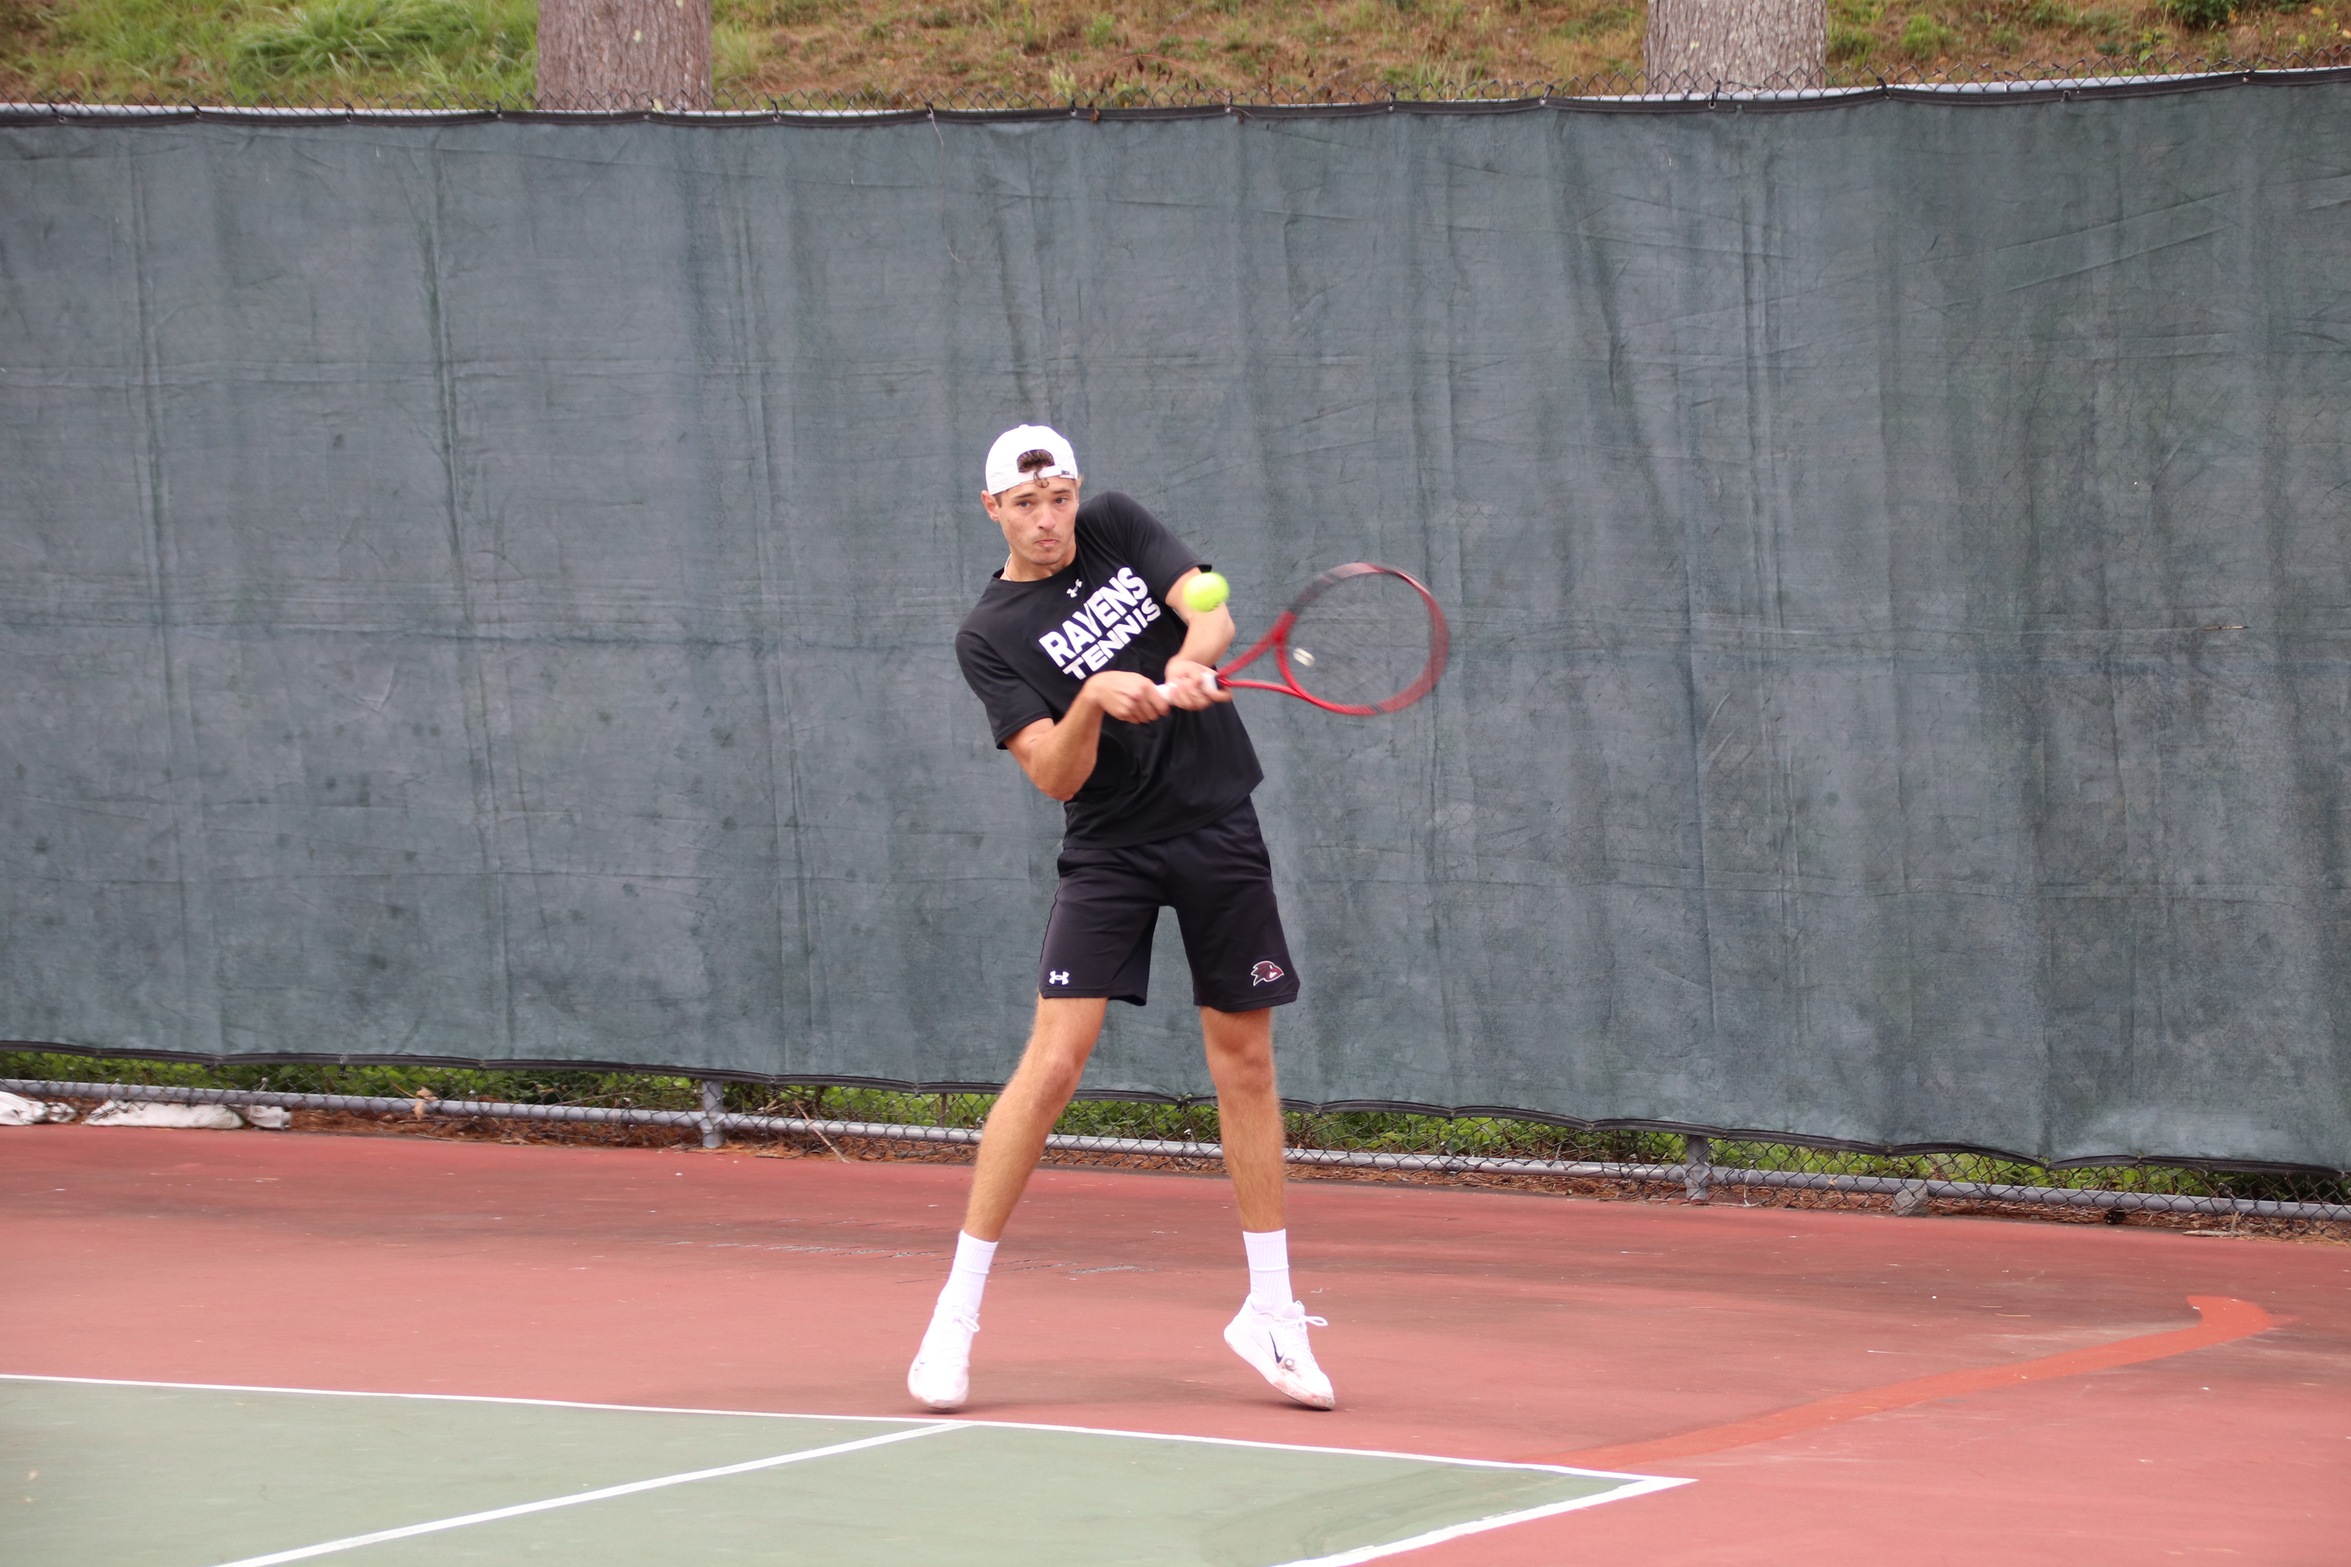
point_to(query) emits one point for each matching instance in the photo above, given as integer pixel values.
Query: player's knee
(1245, 1081)
(1055, 1075)
(1053, 1064)
(1238, 1033)
(1242, 1061)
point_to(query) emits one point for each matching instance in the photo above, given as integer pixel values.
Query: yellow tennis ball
(1207, 591)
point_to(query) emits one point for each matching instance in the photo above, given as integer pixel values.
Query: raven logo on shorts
(1265, 973)
(1060, 976)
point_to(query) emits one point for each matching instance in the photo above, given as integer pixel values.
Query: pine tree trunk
(1705, 45)
(624, 54)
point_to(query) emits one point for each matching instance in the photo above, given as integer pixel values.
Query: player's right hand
(1127, 697)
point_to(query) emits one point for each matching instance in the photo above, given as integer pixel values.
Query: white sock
(969, 1277)
(1269, 1267)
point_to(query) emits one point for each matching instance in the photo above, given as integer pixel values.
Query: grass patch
(427, 51)
(237, 51)
(1924, 37)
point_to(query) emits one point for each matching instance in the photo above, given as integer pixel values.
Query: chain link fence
(2114, 66)
(1490, 1151)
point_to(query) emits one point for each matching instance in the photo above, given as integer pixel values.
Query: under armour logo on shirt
(1077, 587)
(1059, 976)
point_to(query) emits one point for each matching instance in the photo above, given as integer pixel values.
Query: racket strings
(1364, 641)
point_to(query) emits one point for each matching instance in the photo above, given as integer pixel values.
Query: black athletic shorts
(1216, 878)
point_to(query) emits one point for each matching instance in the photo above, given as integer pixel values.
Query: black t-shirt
(1028, 646)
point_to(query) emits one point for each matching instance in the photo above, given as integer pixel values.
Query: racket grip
(1166, 688)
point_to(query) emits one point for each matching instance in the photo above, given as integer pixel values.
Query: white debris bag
(16, 1110)
(270, 1118)
(141, 1112)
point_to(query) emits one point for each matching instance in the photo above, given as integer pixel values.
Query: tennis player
(1067, 651)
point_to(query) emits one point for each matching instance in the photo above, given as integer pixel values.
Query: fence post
(713, 1099)
(1697, 1167)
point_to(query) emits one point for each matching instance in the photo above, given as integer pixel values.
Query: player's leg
(1221, 884)
(1097, 947)
(1010, 1145)
(1248, 1111)
(1013, 1138)
(1269, 1331)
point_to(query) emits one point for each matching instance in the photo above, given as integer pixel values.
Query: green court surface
(149, 1475)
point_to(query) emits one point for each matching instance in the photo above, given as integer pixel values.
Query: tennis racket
(1358, 640)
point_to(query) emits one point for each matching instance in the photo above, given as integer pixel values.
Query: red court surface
(1763, 1352)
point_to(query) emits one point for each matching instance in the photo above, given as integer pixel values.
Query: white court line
(519, 1509)
(897, 1420)
(1307, 1447)
(1372, 1553)
(451, 1398)
(1631, 1485)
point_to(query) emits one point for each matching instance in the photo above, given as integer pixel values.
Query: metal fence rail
(1696, 1174)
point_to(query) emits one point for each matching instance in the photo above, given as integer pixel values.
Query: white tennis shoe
(1274, 1342)
(940, 1377)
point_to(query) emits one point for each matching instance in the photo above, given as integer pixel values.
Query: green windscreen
(484, 590)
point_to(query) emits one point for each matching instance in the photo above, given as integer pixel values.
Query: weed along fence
(1490, 1150)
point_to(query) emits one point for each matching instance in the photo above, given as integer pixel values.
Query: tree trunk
(624, 54)
(1703, 46)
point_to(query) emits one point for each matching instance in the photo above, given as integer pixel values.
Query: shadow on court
(1837, 1385)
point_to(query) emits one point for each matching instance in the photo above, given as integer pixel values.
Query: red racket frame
(1278, 639)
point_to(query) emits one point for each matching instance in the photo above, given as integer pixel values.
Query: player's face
(1040, 523)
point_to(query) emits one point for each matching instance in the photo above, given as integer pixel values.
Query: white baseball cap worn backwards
(1005, 468)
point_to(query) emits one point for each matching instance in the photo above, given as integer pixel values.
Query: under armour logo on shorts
(1265, 973)
(1060, 976)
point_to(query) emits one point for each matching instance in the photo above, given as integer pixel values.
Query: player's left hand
(1192, 686)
